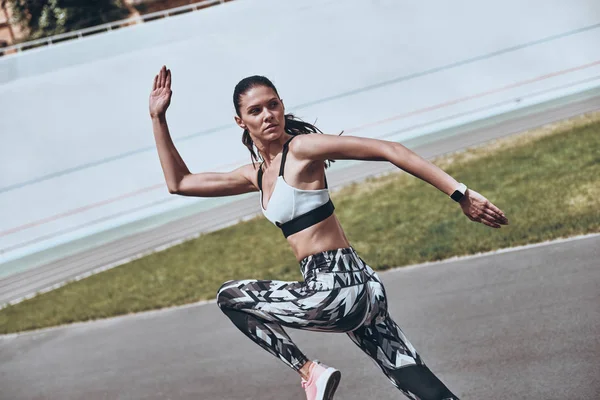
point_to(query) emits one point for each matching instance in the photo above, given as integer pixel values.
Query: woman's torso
(304, 175)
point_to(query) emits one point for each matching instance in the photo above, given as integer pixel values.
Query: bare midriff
(326, 235)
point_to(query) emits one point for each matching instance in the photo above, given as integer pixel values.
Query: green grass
(547, 182)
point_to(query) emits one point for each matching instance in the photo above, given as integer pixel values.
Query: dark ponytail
(293, 125)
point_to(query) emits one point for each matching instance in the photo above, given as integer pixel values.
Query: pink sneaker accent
(322, 383)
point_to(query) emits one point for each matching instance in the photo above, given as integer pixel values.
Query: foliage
(42, 18)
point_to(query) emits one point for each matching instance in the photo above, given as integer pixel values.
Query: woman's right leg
(332, 298)
(253, 306)
(260, 309)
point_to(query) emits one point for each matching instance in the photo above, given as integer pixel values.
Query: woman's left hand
(479, 209)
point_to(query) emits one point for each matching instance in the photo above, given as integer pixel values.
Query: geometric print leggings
(340, 293)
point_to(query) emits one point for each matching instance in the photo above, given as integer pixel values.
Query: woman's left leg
(383, 340)
(385, 343)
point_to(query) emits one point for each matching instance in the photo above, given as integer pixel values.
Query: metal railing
(48, 41)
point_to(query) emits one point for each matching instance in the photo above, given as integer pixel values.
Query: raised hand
(479, 209)
(160, 97)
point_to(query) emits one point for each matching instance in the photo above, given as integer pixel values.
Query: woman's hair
(293, 125)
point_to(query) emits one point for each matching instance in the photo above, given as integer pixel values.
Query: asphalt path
(21, 285)
(520, 324)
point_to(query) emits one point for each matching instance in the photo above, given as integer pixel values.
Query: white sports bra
(288, 203)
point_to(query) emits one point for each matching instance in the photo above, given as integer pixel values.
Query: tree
(42, 18)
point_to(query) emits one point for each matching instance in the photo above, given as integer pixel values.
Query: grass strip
(547, 181)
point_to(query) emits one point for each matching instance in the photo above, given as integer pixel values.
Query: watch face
(456, 196)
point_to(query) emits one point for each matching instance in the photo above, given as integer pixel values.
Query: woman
(340, 292)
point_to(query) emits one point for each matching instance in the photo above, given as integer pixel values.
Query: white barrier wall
(77, 153)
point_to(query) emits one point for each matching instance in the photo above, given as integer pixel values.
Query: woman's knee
(232, 292)
(225, 295)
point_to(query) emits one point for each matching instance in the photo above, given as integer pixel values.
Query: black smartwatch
(459, 192)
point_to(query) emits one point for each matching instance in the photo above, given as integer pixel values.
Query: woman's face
(262, 113)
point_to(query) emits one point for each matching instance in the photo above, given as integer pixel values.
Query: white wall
(77, 153)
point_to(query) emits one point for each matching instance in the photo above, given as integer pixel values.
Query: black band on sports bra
(308, 219)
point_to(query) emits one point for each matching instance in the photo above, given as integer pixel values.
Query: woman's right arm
(178, 177)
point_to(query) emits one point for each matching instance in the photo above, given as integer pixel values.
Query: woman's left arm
(323, 147)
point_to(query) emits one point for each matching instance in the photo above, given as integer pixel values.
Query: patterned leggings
(340, 293)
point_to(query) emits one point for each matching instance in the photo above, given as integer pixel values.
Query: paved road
(514, 325)
(28, 282)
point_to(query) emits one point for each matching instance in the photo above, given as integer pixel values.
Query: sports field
(545, 180)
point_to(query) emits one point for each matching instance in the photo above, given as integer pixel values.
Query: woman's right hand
(160, 97)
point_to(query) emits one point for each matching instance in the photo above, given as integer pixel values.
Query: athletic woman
(340, 292)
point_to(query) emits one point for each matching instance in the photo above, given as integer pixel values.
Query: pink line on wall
(81, 209)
